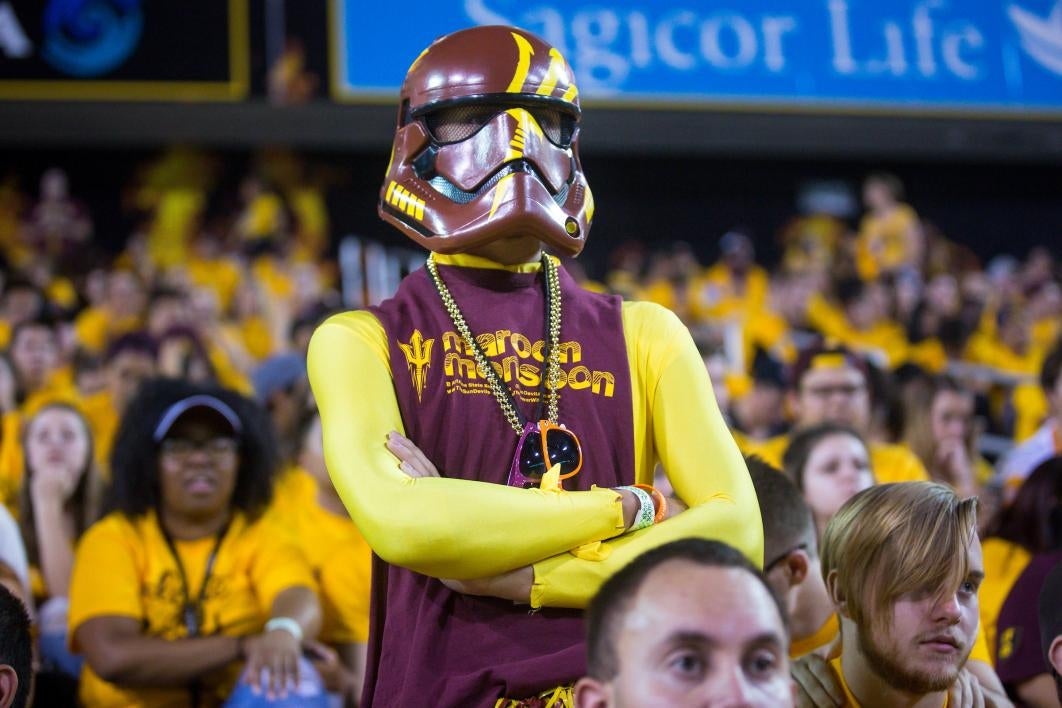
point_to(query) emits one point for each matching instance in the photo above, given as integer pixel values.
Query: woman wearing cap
(181, 584)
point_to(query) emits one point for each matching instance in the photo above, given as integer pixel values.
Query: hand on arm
(703, 464)
(514, 585)
(442, 527)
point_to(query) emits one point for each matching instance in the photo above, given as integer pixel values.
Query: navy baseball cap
(184, 405)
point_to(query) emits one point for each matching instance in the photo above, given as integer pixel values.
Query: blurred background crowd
(876, 294)
(872, 347)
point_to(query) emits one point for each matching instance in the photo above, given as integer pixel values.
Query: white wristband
(646, 510)
(285, 624)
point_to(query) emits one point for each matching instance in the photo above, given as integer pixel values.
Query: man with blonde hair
(902, 564)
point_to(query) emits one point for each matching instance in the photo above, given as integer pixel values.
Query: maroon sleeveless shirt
(427, 644)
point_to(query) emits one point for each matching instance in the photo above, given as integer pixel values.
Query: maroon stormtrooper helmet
(486, 145)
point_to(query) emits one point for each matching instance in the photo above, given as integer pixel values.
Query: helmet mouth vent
(455, 194)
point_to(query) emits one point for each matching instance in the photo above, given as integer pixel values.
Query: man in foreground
(657, 638)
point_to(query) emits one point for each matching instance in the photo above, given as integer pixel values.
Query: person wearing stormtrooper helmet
(493, 428)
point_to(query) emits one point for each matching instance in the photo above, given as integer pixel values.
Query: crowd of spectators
(161, 472)
(872, 353)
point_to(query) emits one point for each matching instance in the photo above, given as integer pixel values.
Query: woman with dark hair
(58, 501)
(1030, 525)
(181, 583)
(829, 463)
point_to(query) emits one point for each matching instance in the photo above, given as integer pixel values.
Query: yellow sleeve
(278, 565)
(105, 579)
(697, 451)
(448, 528)
(1031, 408)
(826, 317)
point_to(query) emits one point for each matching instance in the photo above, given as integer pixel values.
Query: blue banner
(972, 56)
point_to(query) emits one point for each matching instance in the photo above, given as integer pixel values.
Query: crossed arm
(460, 529)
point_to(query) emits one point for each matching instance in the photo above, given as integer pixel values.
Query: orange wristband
(659, 498)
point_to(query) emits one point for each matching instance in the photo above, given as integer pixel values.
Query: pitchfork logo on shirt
(418, 358)
(1041, 38)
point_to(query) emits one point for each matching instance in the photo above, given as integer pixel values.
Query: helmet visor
(459, 122)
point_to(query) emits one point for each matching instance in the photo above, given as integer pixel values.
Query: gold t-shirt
(849, 699)
(123, 567)
(336, 551)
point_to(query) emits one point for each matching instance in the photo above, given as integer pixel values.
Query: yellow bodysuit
(461, 529)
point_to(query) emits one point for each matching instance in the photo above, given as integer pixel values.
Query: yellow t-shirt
(123, 567)
(62, 292)
(276, 282)
(227, 372)
(882, 243)
(219, 274)
(823, 636)
(896, 463)
(256, 336)
(1004, 564)
(423, 524)
(264, 217)
(11, 462)
(985, 347)
(1044, 333)
(890, 463)
(1030, 408)
(95, 328)
(103, 419)
(929, 354)
(769, 331)
(175, 215)
(885, 339)
(717, 295)
(311, 216)
(340, 558)
(849, 699)
(811, 242)
(667, 294)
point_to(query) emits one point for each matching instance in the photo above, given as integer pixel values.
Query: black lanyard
(192, 613)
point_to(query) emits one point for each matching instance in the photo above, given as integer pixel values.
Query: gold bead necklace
(501, 392)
